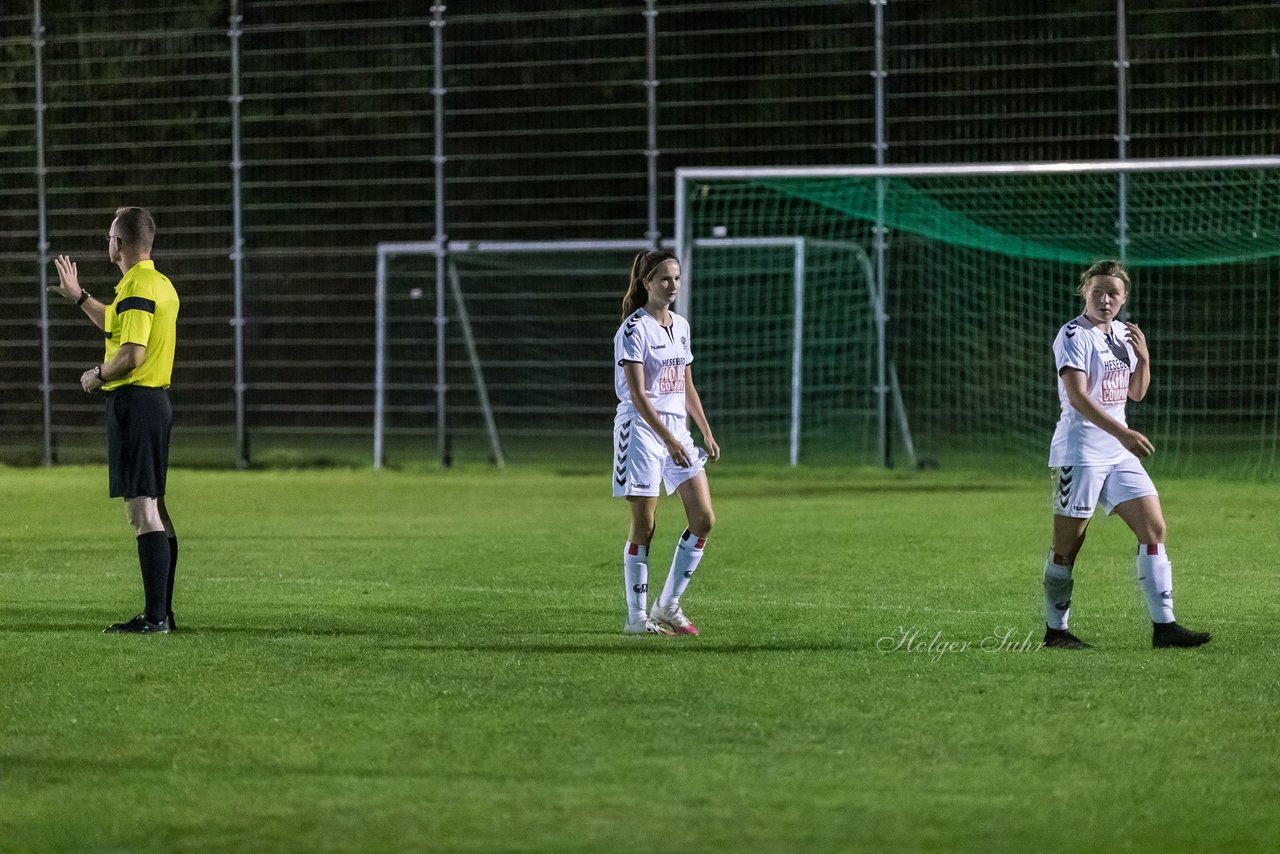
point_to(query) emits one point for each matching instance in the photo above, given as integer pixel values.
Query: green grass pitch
(405, 661)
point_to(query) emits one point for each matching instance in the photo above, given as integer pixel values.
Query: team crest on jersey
(684, 342)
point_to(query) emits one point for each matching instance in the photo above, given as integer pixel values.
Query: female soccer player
(1101, 363)
(654, 383)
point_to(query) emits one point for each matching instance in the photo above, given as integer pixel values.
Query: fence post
(237, 238)
(442, 239)
(881, 240)
(653, 235)
(46, 384)
(1122, 136)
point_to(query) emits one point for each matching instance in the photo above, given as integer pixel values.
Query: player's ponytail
(642, 267)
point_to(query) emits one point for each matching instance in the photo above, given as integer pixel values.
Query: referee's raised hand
(68, 279)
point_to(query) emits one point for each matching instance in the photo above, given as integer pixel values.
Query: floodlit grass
(432, 661)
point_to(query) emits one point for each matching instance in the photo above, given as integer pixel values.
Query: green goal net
(979, 274)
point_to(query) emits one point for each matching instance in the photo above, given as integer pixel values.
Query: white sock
(1155, 577)
(1057, 593)
(635, 572)
(686, 559)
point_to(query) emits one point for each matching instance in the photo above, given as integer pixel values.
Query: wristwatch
(84, 295)
(97, 372)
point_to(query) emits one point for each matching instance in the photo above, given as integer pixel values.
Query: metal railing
(278, 143)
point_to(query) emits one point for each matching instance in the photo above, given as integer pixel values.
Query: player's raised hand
(68, 279)
(1137, 444)
(1137, 340)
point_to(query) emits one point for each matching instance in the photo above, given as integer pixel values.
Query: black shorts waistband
(137, 389)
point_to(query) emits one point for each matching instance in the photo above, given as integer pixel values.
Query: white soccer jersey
(1107, 362)
(663, 350)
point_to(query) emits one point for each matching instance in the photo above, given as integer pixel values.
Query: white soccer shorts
(640, 459)
(1078, 490)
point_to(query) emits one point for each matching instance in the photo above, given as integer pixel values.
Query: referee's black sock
(173, 568)
(153, 557)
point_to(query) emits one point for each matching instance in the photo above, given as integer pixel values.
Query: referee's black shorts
(139, 419)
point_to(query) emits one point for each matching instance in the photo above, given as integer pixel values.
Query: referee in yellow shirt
(140, 326)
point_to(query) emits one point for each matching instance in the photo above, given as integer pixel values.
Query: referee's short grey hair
(1104, 268)
(136, 227)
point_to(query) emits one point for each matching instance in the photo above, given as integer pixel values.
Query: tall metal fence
(279, 141)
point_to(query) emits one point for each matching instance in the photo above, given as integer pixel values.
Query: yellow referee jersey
(145, 311)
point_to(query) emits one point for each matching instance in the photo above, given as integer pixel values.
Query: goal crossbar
(1153, 164)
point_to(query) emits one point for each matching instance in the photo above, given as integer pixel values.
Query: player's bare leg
(644, 510)
(1145, 518)
(1068, 537)
(144, 515)
(696, 495)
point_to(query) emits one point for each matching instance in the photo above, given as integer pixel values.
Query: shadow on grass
(286, 631)
(617, 646)
(92, 627)
(742, 489)
(96, 627)
(401, 628)
(630, 646)
(46, 767)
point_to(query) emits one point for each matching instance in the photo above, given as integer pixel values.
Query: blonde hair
(642, 267)
(1104, 268)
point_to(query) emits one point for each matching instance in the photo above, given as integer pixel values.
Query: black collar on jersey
(670, 314)
(670, 328)
(1115, 343)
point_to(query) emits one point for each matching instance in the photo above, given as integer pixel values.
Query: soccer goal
(404, 346)
(500, 345)
(510, 341)
(975, 267)
(802, 317)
